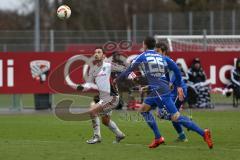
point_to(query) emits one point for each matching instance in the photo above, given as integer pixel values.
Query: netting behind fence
(202, 42)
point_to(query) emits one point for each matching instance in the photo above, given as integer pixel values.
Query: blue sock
(151, 123)
(177, 127)
(186, 122)
(182, 136)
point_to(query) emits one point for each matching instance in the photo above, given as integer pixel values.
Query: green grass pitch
(44, 137)
(27, 100)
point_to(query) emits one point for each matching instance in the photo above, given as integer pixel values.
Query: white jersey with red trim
(99, 79)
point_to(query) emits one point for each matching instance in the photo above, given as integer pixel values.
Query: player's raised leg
(186, 122)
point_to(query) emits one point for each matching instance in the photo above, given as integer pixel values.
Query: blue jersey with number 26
(155, 68)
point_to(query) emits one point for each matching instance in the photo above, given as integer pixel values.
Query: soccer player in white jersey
(99, 79)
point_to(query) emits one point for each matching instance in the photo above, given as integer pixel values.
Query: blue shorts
(174, 96)
(155, 100)
(162, 111)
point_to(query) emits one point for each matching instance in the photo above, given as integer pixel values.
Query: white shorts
(108, 105)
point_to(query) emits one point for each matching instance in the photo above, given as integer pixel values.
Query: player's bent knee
(95, 109)
(175, 117)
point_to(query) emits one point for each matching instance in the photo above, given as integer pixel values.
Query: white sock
(114, 128)
(96, 126)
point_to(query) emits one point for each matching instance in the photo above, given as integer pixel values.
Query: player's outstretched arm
(89, 83)
(85, 87)
(134, 65)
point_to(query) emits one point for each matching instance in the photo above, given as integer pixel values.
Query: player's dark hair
(162, 46)
(99, 47)
(150, 42)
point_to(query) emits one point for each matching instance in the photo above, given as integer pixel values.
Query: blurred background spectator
(235, 82)
(184, 74)
(199, 90)
(196, 73)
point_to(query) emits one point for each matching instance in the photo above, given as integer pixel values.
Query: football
(63, 12)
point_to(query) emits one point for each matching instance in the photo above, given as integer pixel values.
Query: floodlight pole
(205, 40)
(134, 25)
(37, 26)
(52, 47)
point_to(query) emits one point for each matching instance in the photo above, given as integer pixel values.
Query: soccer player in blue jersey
(162, 112)
(155, 67)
